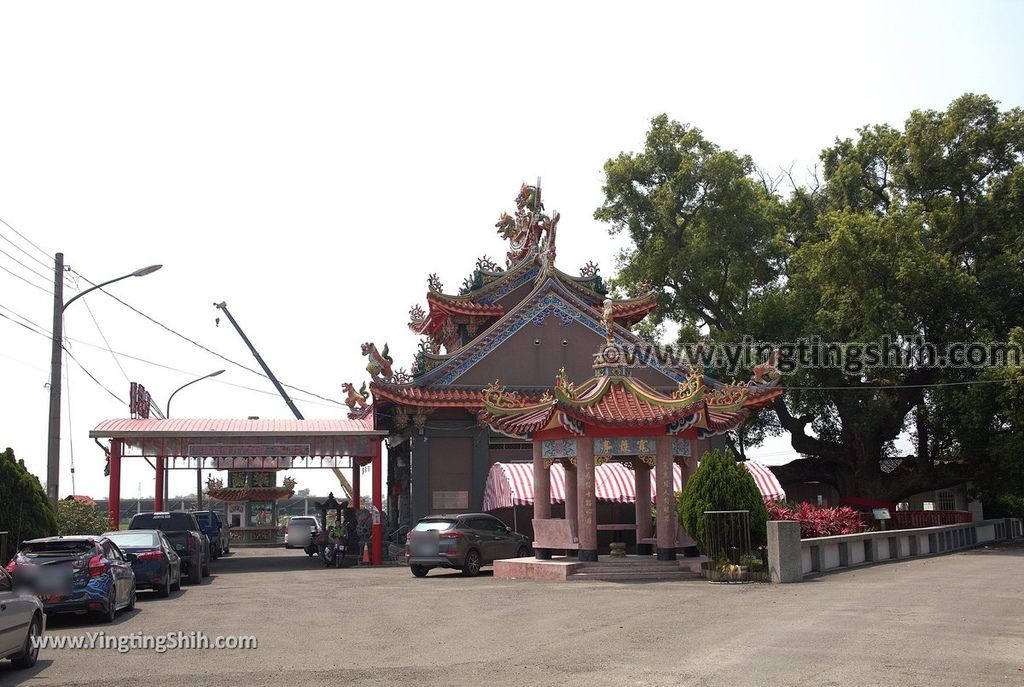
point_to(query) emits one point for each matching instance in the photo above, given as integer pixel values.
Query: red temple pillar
(158, 500)
(666, 515)
(541, 492)
(356, 491)
(642, 481)
(571, 500)
(587, 497)
(114, 494)
(377, 529)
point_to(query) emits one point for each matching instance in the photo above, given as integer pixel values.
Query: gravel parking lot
(951, 620)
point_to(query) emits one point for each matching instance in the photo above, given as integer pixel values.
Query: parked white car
(300, 530)
(21, 619)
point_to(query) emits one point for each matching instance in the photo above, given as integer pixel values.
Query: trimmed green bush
(75, 517)
(25, 511)
(720, 483)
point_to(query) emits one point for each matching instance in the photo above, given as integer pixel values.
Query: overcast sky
(311, 163)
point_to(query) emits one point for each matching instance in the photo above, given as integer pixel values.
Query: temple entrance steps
(636, 568)
(608, 568)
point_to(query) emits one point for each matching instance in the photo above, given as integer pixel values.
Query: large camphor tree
(917, 231)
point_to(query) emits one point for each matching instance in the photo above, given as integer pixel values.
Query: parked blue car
(152, 557)
(75, 575)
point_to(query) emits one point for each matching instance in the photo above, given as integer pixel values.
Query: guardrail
(790, 558)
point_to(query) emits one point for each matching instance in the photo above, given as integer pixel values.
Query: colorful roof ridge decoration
(531, 234)
(604, 400)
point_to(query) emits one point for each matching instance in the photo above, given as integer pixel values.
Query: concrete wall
(790, 558)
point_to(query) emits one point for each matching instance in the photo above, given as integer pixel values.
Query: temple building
(536, 329)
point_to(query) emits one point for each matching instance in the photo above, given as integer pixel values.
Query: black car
(183, 532)
(153, 559)
(76, 575)
(466, 542)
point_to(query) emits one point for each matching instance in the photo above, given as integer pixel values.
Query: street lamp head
(214, 374)
(146, 270)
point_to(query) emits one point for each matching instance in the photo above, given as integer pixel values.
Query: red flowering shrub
(817, 521)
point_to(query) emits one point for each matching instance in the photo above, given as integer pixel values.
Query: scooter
(333, 553)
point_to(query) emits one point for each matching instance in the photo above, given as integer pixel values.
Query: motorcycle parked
(333, 553)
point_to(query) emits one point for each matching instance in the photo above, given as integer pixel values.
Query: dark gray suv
(465, 542)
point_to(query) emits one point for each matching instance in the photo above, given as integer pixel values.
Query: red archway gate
(233, 444)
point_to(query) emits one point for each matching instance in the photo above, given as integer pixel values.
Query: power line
(25, 238)
(30, 269)
(208, 350)
(18, 276)
(42, 332)
(93, 377)
(48, 266)
(20, 324)
(103, 336)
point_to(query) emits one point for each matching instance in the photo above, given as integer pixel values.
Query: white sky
(310, 163)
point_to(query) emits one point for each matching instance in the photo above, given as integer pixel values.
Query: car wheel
(164, 590)
(206, 569)
(176, 587)
(473, 563)
(131, 600)
(419, 570)
(523, 552)
(214, 554)
(29, 654)
(194, 575)
(111, 610)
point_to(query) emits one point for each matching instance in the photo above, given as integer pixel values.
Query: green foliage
(720, 483)
(25, 511)
(75, 517)
(911, 231)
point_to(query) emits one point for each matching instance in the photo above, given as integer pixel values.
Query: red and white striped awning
(511, 484)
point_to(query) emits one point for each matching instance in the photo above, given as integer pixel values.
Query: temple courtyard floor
(948, 620)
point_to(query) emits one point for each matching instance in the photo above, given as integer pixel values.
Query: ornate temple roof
(495, 303)
(613, 399)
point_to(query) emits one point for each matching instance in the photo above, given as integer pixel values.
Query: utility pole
(56, 351)
(56, 356)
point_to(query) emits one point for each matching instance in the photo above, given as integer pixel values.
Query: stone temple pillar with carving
(642, 481)
(587, 498)
(571, 500)
(666, 500)
(541, 491)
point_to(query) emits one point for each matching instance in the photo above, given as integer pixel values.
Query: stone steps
(624, 575)
(633, 570)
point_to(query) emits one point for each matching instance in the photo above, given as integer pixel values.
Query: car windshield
(302, 521)
(166, 522)
(434, 525)
(57, 548)
(203, 518)
(129, 539)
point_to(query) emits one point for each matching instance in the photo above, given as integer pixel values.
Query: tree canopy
(25, 511)
(909, 232)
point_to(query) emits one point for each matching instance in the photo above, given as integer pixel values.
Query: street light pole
(199, 463)
(56, 358)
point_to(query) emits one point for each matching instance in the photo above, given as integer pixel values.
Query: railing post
(784, 559)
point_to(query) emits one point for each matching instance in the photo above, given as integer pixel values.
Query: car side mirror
(131, 557)
(507, 528)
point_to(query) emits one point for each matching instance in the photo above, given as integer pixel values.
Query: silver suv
(465, 542)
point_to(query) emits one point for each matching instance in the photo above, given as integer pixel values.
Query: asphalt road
(950, 620)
